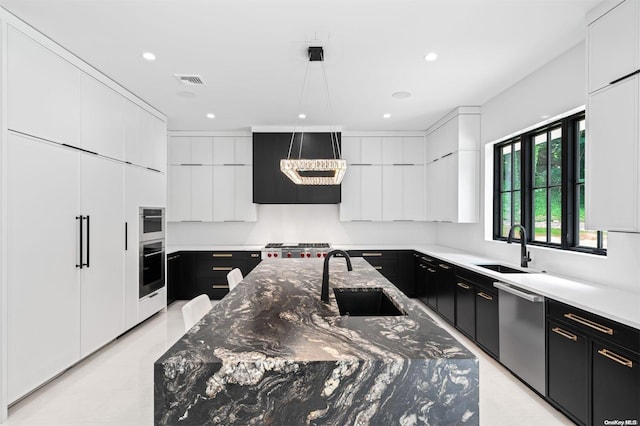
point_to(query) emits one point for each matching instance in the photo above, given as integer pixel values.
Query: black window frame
(570, 221)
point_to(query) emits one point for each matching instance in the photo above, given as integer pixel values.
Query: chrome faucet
(524, 254)
(324, 294)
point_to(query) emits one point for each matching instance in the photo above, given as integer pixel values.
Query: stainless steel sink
(504, 269)
(365, 302)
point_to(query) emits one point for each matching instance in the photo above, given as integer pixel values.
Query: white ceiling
(251, 54)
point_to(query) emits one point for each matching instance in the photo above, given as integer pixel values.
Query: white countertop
(619, 305)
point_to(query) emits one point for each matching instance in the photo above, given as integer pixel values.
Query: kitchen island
(271, 352)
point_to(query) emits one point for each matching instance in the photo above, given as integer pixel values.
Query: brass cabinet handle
(443, 266)
(224, 286)
(485, 296)
(222, 254)
(564, 333)
(615, 357)
(589, 323)
(423, 267)
(221, 268)
(255, 255)
(463, 285)
(371, 254)
(377, 267)
(431, 270)
(427, 259)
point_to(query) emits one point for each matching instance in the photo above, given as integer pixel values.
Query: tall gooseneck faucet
(524, 254)
(324, 294)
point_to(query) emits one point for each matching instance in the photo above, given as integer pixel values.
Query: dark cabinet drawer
(466, 307)
(214, 287)
(595, 325)
(446, 288)
(487, 325)
(217, 267)
(567, 370)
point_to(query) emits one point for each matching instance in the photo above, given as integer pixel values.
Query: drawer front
(595, 325)
(215, 288)
(151, 304)
(218, 267)
(222, 255)
(372, 254)
(387, 267)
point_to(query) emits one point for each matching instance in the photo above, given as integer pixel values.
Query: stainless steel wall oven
(152, 251)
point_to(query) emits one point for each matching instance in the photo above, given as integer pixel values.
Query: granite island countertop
(272, 353)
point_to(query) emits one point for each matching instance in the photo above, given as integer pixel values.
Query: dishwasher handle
(519, 293)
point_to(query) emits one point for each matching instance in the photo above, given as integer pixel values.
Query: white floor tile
(115, 385)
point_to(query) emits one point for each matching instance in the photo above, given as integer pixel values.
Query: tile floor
(115, 385)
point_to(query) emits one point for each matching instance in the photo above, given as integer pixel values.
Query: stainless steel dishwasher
(522, 340)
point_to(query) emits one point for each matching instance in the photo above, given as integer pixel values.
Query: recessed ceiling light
(149, 56)
(302, 116)
(387, 115)
(431, 56)
(401, 94)
(210, 115)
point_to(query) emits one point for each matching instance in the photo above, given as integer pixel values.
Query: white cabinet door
(350, 149)
(152, 190)
(224, 193)
(153, 141)
(201, 150)
(43, 91)
(101, 118)
(414, 193)
(43, 314)
(130, 116)
(179, 208)
(392, 193)
(448, 191)
(413, 150)
(245, 209)
(432, 189)
(351, 194)
(180, 150)
(223, 150)
(392, 150)
(371, 193)
(201, 193)
(243, 150)
(102, 281)
(613, 45)
(131, 216)
(612, 158)
(371, 150)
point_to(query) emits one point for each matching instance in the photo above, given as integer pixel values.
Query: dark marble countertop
(273, 324)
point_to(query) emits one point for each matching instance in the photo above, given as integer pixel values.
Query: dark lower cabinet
(466, 307)
(487, 327)
(592, 367)
(567, 370)
(446, 289)
(432, 286)
(174, 272)
(205, 272)
(615, 384)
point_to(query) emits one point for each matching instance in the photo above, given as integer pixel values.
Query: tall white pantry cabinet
(80, 155)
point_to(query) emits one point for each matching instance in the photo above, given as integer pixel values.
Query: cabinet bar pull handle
(221, 268)
(255, 255)
(615, 357)
(154, 253)
(564, 333)
(588, 323)
(463, 285)
(431, 270)
(617, 80)
(88, 241)
(225, 286)
(371, 254)
(126, 236)
(443, 266)
(485, 296)
(423, 267)
(378, 267)
(222, 254)
(427, 259)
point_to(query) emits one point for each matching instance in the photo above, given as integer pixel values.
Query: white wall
(555, 88)
(300, 223)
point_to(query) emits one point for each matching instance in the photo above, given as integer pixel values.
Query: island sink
(504, 269)
(365, 302)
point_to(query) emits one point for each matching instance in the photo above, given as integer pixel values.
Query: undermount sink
(365, 302)
(504, 269)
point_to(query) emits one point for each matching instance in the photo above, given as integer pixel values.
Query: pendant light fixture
(319, 171)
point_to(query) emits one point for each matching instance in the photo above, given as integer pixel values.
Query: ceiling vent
(190, 80)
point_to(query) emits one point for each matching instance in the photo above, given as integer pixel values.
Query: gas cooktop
(297, 250)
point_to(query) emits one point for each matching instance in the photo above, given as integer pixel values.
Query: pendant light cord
(304, 85)
(332, 133)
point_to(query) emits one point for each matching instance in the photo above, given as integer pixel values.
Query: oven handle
(152, 217)
(154, 253)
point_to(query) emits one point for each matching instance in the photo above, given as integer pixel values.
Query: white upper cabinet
(132, 148)
(102, 120)
(43, 91)
(362, 150)
(457, 131)
(362, 194)
(201, 151)
(153, 141)
(613, 43)
(232, 150)
(401, 150)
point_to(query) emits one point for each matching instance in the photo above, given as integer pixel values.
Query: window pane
(506, 214)
(540, 161)
(540, 212)
(517, 161)
(581, 145)
(517, 215)
(506, 168)
(586, 238)
(555, 195)
(556, 157)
